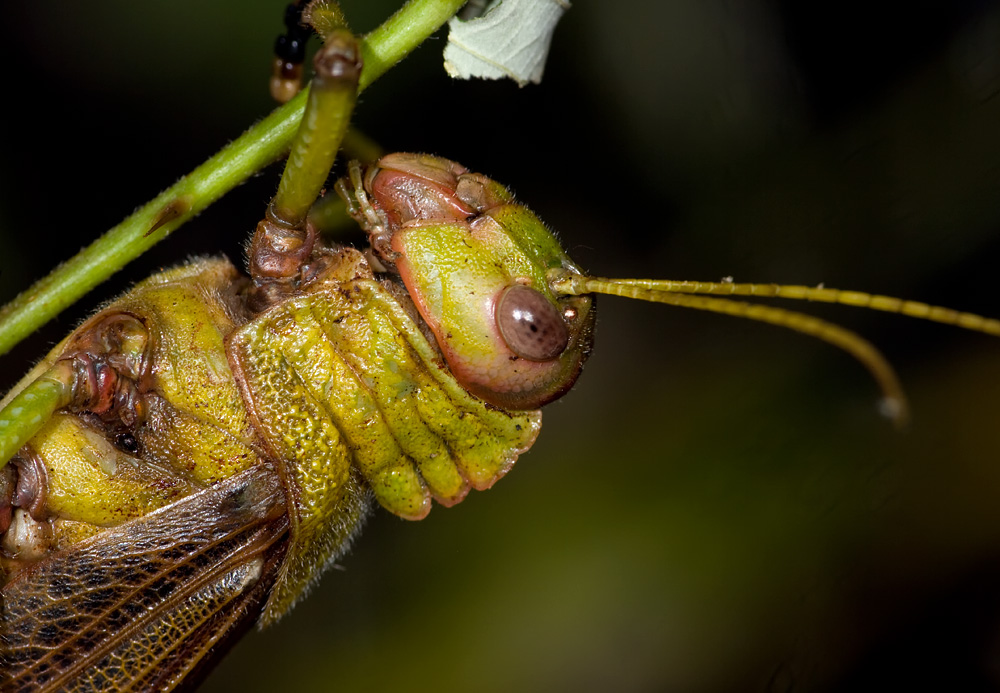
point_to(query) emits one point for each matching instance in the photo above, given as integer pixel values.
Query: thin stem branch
(262, 144)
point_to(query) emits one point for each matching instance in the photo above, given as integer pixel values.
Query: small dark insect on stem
(289, 53)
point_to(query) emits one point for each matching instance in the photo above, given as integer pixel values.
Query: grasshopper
(443, 406)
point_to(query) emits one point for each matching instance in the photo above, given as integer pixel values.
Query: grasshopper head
(477, 265)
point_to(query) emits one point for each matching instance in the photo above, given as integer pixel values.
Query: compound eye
(531, 326)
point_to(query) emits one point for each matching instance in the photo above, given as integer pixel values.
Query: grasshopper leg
(284, 240)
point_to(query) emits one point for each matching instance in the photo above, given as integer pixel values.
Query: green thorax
(195, 431)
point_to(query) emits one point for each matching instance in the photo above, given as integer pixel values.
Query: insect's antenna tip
(896, 409)
(688, 295)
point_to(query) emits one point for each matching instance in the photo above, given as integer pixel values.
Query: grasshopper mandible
(281, 404)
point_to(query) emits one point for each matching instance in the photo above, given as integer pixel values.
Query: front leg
(284, 240)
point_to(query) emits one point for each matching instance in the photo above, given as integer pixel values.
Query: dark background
(717, 505)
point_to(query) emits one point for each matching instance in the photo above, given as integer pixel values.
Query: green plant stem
(262, 144)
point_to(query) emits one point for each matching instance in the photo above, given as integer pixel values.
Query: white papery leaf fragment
(510, 40)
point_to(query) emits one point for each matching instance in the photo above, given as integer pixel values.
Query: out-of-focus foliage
(717, 505)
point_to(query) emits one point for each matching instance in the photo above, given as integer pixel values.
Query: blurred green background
(717, 504)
